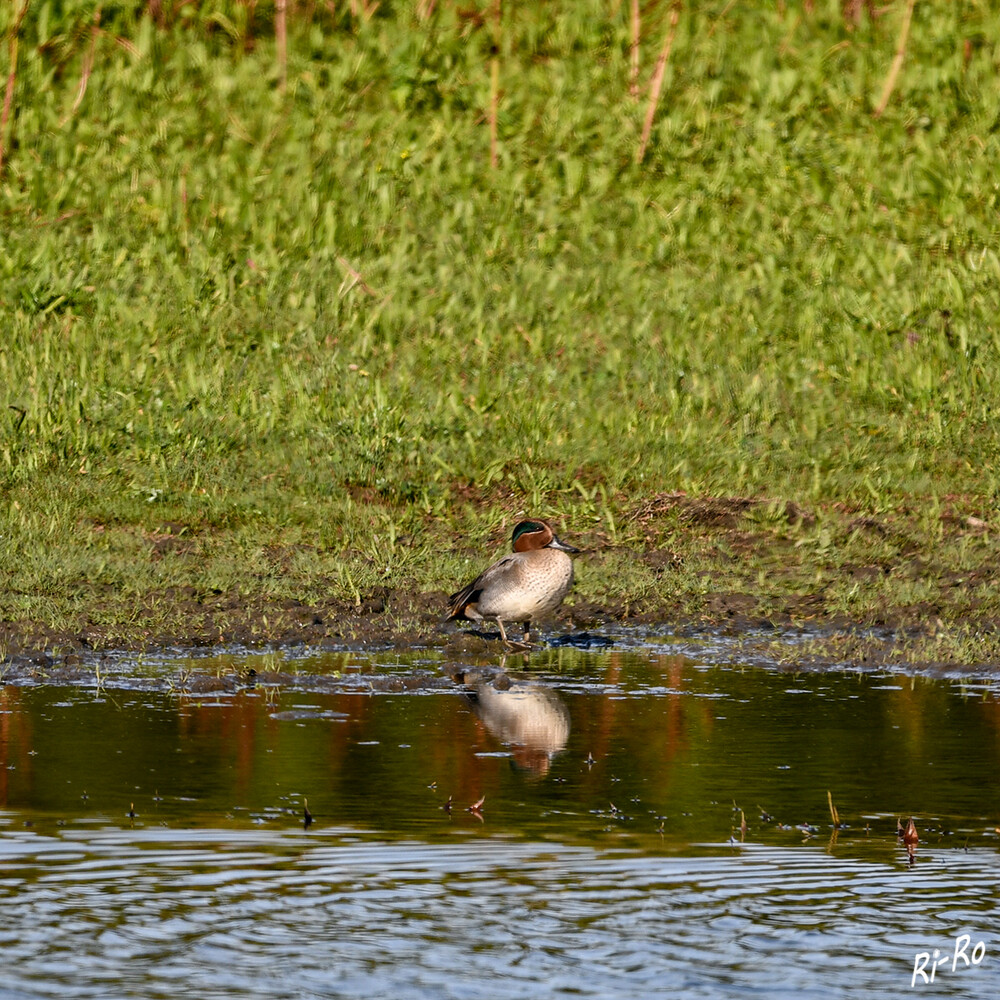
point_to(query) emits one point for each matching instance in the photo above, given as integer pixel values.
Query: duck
(528, 584)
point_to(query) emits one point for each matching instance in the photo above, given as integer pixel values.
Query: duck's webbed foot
(520, 646)
(516, 646)
(511, 644)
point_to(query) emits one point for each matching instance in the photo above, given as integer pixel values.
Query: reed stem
(281, 38)
(8, 96)
(657, 82)
(897, 62)
(633, 86)
(495, 84)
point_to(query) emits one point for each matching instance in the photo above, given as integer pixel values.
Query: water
(153, 842)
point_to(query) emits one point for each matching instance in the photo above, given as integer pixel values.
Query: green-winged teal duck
(521, 587)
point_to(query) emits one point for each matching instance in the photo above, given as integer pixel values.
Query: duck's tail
(459, 602)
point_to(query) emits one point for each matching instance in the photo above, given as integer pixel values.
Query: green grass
(788, 299)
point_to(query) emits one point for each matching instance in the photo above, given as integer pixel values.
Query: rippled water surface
(572, 825)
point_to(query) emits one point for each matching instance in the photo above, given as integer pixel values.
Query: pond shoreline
(893, 591)
(224, 624)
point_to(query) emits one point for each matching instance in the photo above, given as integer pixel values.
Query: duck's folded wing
(469, 594)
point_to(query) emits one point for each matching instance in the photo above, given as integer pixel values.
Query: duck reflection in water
(528, 717)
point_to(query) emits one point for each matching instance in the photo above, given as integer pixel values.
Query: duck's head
(537, 535)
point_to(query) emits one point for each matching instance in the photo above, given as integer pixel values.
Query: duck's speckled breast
(531, 585)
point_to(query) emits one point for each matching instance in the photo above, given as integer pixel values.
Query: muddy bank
(386, 619)
(861, 590)
(383, 618)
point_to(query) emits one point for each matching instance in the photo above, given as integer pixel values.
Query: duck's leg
(525, 644)
(511, 643)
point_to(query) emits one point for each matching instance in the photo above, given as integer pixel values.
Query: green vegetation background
(304, 343)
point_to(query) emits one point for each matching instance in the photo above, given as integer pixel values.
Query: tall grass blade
(281, 38)
(88, 65)
(495, 83)
(633, 86)
(657, 82)
(8, 96)
(897, 62)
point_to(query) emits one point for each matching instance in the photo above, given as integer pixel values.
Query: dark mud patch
(726, 512)
(390, 620)
(729, 566)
